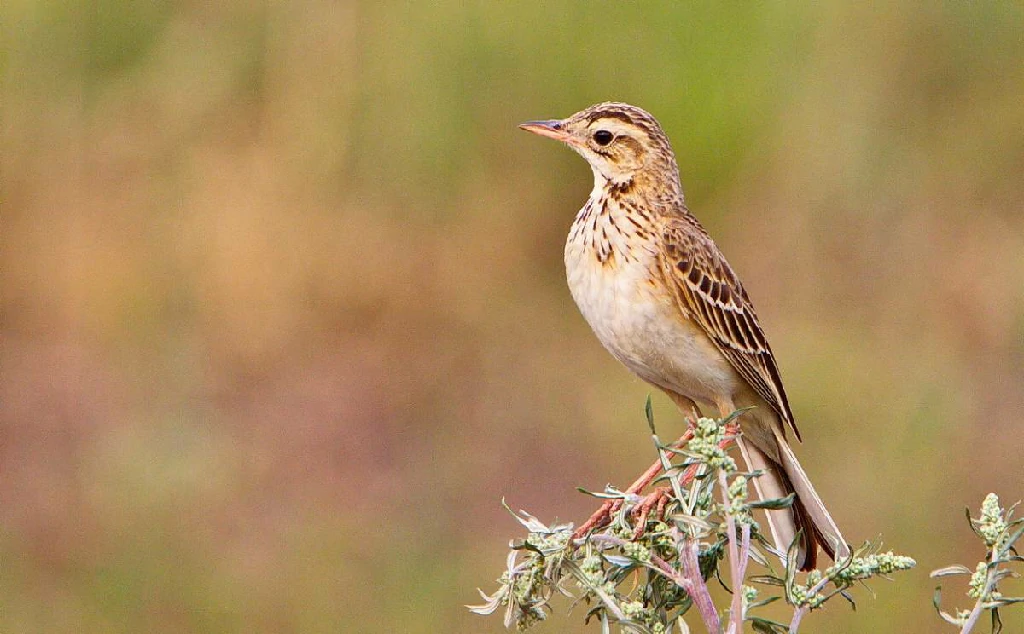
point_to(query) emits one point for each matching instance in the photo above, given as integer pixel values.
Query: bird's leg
(658, 498)
(603, 514)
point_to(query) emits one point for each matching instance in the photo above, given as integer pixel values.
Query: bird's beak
(551, 129)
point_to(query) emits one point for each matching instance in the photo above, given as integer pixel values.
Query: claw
(657, 500)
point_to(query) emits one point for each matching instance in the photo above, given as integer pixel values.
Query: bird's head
(619, 141)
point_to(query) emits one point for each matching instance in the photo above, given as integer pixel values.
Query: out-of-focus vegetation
(999, 531)
(282, 310)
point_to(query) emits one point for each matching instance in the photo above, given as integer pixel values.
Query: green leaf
(756, 555)
(793, 553)
(764, 602)
(691, 520)
(970, 521)
(766, 626)
(1011, 540)
(937, 599)
(608, 495)
(531, 523)
(736, 414)
(649, 412)
(774, 504)
(955, 569)
(524, 545)
(620, 561)
(767, 580)
(849, 597)
(633, 626)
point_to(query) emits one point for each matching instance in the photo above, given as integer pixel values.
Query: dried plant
(644, 562)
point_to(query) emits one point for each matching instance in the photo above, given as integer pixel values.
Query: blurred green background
(284, 316)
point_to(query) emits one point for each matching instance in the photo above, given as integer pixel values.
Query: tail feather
(784, 524)
(807, 517)
(824, 526)
(764, 448)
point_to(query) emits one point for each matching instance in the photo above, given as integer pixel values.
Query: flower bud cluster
(991, 526)
(706, 445)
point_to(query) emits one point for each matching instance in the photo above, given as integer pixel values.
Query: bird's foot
(659, 497)
(603, 515)
(656, 500)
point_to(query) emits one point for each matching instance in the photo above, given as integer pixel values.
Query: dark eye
(603, 137)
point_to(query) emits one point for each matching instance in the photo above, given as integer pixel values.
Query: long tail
(808, 513)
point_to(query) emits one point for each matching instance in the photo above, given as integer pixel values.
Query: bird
(662, 299)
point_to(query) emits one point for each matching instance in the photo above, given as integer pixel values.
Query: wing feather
(708, 290)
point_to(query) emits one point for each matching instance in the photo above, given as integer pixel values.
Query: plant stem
(690, 579)
(695, 586)
(736, 576)
(799, 613)
(978, 609)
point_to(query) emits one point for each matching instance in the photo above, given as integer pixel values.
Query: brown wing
(707, 288)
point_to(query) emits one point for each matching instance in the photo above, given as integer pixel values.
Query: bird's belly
(638, 321)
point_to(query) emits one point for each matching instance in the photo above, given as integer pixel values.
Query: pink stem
(799, 613)
(737, 565)
(695, 586)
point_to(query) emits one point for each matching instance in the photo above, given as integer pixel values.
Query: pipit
(663, 300)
